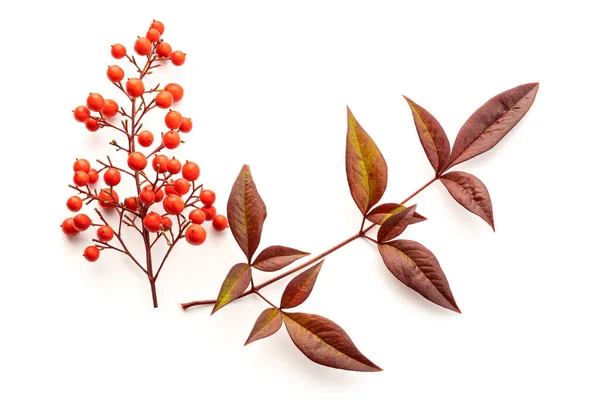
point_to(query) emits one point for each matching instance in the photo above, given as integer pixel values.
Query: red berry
(135, 87)
(174, 166)
(171, 139)
(153, 35)
(137, 161)
(158, 194)
(164, 50)
(94, 176)
(220, 223)
(118, 51)
(176, 90)
(159, 26)
(160, 163)
(91, 253)
(74, 203)
(178, 57)
(197, 216)
(190, 171)
(105, 233)
(182, 186)
(81, 164)
(115, 73)
(68, 227)
(145, 138)
(173, 119)
(95, 102)
(81, 178)
(210, 212)
(81, 113)
(112, 177)
(111, 108)
(207, 197)
(170, 188)
(142, 46)
(131, 204)
(195, 235)
(164, 99)
(173, 204)
(81, 222)
(147, 196)
(186, 125)
(166, 223)
(107, 198)
(152, 222)
(92, 124)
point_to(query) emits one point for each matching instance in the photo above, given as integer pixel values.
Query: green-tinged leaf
(267, 323)
(299, 288)
(415, 266)
(379, 214)
(274, 258)
(325, 343)
(470, 193)
(366, 168)
(492, 121)
(432, 136)
(236, 281)
(246, 212)
(395, 224)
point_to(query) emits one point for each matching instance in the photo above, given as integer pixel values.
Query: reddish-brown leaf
(236, 281)
(417, 268)
(432, 136)
(325, 343)
(395, 224)
(470, 193)
(267, 323)
(366, 168)
(274, 258)
(246, 212)
(383, 211)
(492, 121)
(299, 288)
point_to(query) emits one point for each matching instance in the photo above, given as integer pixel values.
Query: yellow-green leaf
(236, 281)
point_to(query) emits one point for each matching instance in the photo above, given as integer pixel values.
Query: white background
(267, 84)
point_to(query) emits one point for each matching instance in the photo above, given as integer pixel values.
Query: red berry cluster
(169, 202)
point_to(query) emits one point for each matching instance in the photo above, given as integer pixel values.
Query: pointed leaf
(236, 281)
(325, 343)
(382, 212)
(417, 268)
(492, 121)
(267, 323)
(274, 258)
(432, 136)
(366, 168)
(395, 224)
(246, 212)
(299, 288)
(470, 193)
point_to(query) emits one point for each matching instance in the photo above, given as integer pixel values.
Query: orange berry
(210, 212)
(135, 87)
(81, 222)
(171, 140)
(164, 50)
(118, 51)
(112, 177)
(208, 197)
(137, 161)
(95, 102)
(153, 35)
(190, 171)
(91, 253)
(159, 26)
(186, 125)
(197, 216)
(94, 176)
(143, 46)
(173, 119)
(173, 204)
(152, 222)
(81, 164)
(115, 73)
(170, 188)
(105, 233)
(166, 222)
(81, 113)
(220, 223)
(164, 99)
(131, 204)
(92, 124)
(176, 90)
(174, 166)
(111, 108)
(145, 138)
(160, 163)
(81, 178)
(177, 58)
(74, 203)
(107, 198)
(195, 235)
(68, 227)
(182, 186)
(147, 196)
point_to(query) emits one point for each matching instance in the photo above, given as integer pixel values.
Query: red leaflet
(417, 268)
(299, 288)
(470, 193)
(492, 121)
(274, 258)
(395, 224)
(324, 342)
(383, 211)
(366, 168)
(267, 323)
(236, 281)
(246, 212)
(432, 136)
